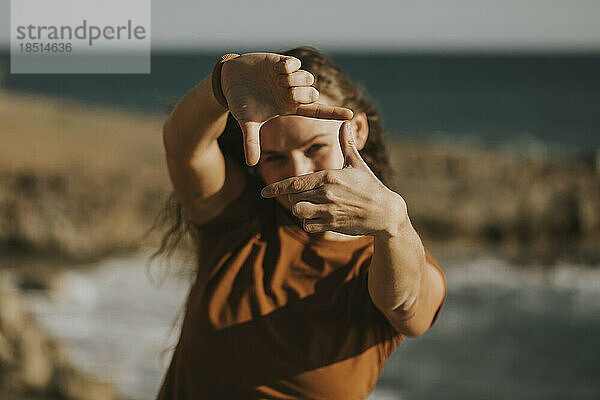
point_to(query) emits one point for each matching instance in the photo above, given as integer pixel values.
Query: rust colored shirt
(277, 313)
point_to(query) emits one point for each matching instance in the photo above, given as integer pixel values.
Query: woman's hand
(261, 86)
(351, 200)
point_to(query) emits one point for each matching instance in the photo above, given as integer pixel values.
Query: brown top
(276, 313)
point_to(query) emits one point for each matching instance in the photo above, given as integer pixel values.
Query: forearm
(195, 122)
(402, 283)
(396, 270)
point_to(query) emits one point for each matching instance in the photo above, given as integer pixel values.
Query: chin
(288, 206)
(284, 202)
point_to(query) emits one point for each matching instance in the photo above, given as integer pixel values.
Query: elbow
(413, 330)
(406, 324)
(411, 326)
(413, 320)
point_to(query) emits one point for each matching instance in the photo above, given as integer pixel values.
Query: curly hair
(331, 81)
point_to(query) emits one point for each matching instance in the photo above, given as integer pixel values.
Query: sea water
(505, 331)
(527, 102)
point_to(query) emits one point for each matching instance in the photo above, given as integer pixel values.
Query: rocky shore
(78, 183)
(529, 209)
(32, 365)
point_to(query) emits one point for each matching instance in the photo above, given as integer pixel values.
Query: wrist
(396, 221)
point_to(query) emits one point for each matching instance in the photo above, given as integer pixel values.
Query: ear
(361, 129)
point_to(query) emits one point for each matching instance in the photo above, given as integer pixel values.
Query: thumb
(251, 133)
(351, 155)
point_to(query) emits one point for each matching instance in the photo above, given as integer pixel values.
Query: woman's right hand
(261, 86)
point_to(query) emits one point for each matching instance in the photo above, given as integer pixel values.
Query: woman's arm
(257, 87)
(203, 181)
(402, 283)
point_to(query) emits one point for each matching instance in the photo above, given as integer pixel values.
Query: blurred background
(492, 112)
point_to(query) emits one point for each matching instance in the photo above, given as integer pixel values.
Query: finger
(305, 209)
(288, 65)
(304, 94)
(317, 196)
(295, 184)
(298, 78)
(324, 111)
(352, 157)
(251, 133)
(313, 225)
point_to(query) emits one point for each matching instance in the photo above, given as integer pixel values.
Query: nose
(301, 165)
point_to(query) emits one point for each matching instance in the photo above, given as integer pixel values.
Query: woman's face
(292, 145)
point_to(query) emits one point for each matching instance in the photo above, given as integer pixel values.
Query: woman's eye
(315, 147)
(273, 158)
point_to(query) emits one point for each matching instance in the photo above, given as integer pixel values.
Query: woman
(309, 270)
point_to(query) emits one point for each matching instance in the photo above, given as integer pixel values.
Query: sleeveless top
(278, 313)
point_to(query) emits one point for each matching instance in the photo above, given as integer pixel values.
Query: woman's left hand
(351, 200)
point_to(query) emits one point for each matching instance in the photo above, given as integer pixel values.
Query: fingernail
(266, 192)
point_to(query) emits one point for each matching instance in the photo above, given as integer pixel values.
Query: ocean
(504, 332)
(531, 103)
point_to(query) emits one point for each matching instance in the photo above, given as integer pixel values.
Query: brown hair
(331, 81)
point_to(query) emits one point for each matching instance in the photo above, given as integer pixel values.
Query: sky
(425, 25)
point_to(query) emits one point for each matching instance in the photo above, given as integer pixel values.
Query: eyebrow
(303, 145)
